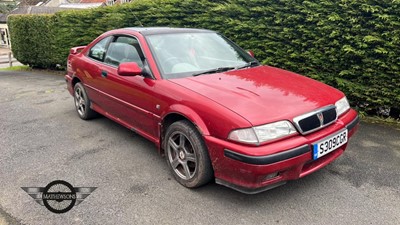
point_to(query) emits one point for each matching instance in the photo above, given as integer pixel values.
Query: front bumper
(252, 169)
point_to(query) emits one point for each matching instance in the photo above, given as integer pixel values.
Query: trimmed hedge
(33, 39)
(351, 44)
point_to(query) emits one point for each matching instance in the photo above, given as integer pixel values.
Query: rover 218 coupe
(210, 107)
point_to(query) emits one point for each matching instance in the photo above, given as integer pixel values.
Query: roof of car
(166, 30)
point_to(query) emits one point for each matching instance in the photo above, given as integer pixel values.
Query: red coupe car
(210, 107)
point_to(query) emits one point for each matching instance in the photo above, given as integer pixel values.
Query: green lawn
(16, 68)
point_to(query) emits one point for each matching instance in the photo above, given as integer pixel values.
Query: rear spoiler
(76, 50)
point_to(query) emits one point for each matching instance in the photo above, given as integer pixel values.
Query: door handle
(103, 73)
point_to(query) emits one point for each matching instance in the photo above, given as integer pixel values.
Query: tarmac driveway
(42, 139)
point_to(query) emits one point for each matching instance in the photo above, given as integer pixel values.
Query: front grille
(316, 120)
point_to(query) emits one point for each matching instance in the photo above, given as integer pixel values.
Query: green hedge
(33, 39)
(351, 44)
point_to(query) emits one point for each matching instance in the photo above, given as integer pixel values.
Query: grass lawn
(16, 68)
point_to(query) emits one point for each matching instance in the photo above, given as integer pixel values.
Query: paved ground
(42, 139)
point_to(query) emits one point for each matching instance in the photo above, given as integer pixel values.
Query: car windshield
(191, 54)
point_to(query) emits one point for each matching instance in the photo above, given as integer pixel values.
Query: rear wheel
(187, 155)
(82, 103)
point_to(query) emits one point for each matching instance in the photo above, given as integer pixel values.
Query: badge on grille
(321, 118)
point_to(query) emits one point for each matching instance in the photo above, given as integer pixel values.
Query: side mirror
(129, 69)
(251, 53)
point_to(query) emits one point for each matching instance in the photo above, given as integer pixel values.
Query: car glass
(185, 54)
(98, 51)
(124, 49)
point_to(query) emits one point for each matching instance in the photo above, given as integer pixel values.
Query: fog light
(270, 176)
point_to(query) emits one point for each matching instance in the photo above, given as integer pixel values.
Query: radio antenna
(140, 23)
(138, 20)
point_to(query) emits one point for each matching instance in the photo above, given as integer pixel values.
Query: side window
(98, 50)
(124, 49)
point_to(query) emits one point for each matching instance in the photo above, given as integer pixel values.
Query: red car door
(90, 68)
(132, 98)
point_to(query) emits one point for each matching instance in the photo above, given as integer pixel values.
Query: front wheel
(187, 155)
(82, 103)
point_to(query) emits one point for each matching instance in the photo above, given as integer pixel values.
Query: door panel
(133, 100)
(90, 71)
(128, 100)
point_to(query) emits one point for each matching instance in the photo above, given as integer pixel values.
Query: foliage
(33, 39)
(351, 44)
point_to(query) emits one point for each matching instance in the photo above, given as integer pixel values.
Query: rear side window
(98, 51)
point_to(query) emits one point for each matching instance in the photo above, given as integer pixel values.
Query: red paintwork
(129, 69)
(76, 50)
(216, 104)
(253, 92)
(252, 176)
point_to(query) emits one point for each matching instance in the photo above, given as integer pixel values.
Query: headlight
(342, 106)
(260, 134)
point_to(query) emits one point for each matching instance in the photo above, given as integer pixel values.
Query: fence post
(9, 59)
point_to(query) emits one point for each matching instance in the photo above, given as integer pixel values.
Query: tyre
(82, 103)
(187, 155)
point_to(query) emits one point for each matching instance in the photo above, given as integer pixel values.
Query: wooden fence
(9, 59)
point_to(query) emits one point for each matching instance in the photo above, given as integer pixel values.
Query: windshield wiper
(249, 64)
(216, 70)
(223, 69)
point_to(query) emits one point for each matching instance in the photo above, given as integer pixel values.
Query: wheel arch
(180, 112)
(74, 81)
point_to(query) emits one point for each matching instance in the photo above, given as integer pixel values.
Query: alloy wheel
(80, 101)
(181, 155)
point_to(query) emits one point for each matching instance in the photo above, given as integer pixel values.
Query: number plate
(329, 144)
